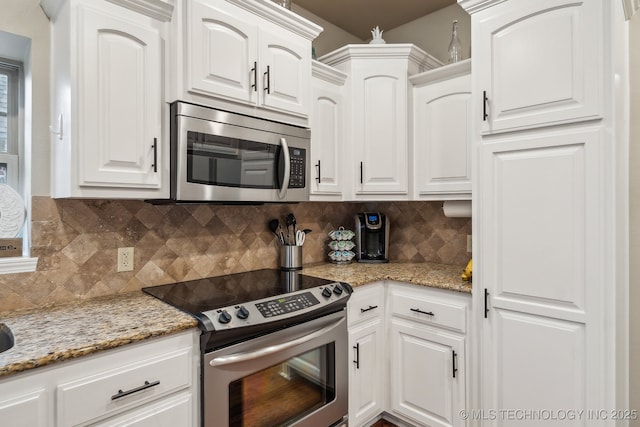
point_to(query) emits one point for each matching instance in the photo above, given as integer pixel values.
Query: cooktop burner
(201, 295)
(238, 306)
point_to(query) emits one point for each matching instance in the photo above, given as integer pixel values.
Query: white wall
(332, 38)
(432, 32)
(25, 18)
(634, 215)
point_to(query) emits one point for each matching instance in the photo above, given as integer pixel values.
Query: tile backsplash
(76, 242)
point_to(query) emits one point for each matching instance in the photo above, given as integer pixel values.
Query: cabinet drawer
(428, 309)
(366, 302)
(111, 391)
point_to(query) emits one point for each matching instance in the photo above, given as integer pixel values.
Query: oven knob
(224, 317)
(242, 312)
(326, 292)
(337, 290)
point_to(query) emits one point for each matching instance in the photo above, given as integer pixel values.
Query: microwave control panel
(298, 169)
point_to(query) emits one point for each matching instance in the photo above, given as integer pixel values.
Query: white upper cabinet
(541, 63)
(377, 118)
(215, 33)
(327, 132)
(107, 64)
(243, 55)
(442, 133)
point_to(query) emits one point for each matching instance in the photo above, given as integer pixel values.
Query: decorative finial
(376, 35)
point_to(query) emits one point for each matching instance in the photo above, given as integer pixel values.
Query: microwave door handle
(287, 168)
(252, 355)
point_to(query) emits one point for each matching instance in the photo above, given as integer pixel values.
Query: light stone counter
(67, 331)
(434, 275)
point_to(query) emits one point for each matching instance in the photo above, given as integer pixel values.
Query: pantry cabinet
(367, 341)
(427, 362)
(150, 383)
(107, 92)
(377, 115)
(442, 133)
(327, 132)
(550, 206)
(245, 56)
(541, 63)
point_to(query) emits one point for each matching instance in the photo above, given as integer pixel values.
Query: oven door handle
(287, 168)
(251, 355)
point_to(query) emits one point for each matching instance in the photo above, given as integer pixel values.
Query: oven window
(285, 392)
(231, 162)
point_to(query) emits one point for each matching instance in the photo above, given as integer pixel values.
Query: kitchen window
(15, 142)
(10, 89)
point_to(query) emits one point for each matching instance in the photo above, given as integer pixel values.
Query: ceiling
(357, 16)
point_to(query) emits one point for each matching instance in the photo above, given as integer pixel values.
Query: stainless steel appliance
(274, 347)
(372, 237)
(218, 156)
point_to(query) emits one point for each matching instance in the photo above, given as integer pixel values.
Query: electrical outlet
(125, 259)
(469, 243)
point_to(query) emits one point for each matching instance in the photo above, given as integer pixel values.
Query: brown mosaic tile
(76, 242)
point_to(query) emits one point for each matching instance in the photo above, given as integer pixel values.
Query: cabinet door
(23, 410)
(326, 121)
(541, 62)
(119, 100)
(170, 412)
(380, 123)
(427, 374)
(285, 65)
(366, 371)
(442, 138)
(543, 264)
(222, 51)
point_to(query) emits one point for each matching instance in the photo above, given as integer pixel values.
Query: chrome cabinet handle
(287, 168)
(145, 386)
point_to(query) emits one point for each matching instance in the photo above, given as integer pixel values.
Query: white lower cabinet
(410, 344)
(367, 344)
(24, 408)
(150, 383)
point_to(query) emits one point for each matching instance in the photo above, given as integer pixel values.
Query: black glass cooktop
(198, 296)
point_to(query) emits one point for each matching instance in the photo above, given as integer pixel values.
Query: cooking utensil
(300, 236)
(274, 226)
(291, 222)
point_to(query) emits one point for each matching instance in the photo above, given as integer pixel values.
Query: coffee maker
(372, 237)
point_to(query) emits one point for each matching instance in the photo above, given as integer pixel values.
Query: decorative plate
(12, 212)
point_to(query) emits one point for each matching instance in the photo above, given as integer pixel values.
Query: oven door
(293, 377)
(223, 162)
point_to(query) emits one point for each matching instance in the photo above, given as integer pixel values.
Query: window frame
(14, 71)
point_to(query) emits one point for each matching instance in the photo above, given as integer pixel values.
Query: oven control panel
(287, 304)
(276, 308)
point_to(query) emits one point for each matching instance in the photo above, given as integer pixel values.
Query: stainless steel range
(274, 347)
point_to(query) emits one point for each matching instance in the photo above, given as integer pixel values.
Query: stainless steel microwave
(223, 157)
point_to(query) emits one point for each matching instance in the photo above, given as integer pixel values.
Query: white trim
(18, 265)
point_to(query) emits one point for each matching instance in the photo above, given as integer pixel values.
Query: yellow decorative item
(467, 273)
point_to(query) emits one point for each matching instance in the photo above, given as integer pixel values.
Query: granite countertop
(80, 328)
(442, 276)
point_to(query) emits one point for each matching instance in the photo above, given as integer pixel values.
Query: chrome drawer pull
(417, 310)
(371, 307)
(146, 385)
